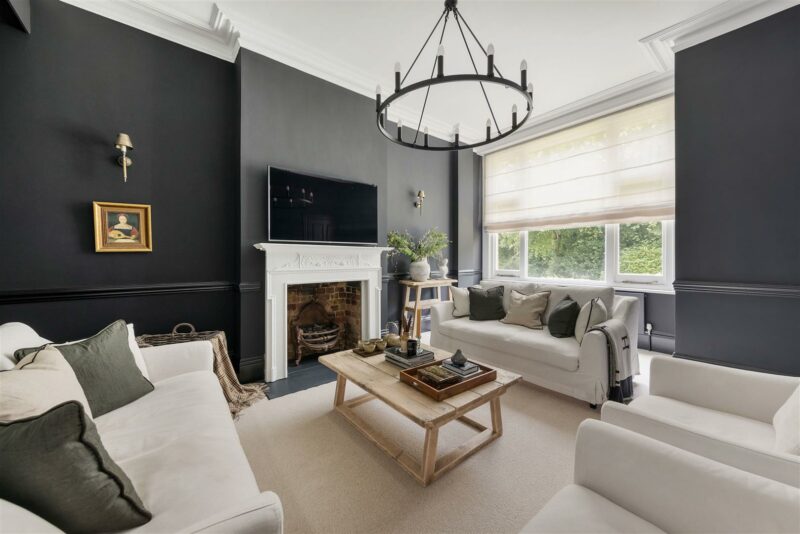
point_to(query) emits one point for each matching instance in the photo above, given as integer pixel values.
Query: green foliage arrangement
(433, 242)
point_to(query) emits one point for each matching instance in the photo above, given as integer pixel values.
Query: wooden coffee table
(380, 379)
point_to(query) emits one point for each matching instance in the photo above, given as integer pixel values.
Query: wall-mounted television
(304, 208)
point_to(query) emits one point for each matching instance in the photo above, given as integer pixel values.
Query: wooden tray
(364, 354)
(409, 376)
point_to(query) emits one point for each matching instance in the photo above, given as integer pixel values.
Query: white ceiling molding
(226, 30)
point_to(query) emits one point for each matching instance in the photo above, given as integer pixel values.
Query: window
(592, 203)
(623, 255)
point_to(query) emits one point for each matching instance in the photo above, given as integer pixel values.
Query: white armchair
(627, 482)
(718, 412)
(166, 361)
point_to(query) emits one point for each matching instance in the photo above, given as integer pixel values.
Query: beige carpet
(331, 479)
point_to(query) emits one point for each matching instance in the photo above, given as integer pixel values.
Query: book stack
(468, 369)
(395, 356)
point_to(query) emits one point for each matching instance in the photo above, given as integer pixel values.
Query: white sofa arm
(166, 361)
(593, 361)
(626, 309)
(676, 490)
(261, 515)
(746, 393)
(440, 313)
(774, 465)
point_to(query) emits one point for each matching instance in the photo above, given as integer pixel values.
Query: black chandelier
(438, 77)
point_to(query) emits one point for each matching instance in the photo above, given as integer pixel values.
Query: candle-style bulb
(523, 65)
(425, 130)
(440, 51)
(490, 50)
(397, 66)
(490, 60)
(514, 108)
(399, 124)
(488, 123)
(530, 87)
(455, 129)
(378, 90)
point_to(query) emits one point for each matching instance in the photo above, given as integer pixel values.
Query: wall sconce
(420, 200)
(124, 144)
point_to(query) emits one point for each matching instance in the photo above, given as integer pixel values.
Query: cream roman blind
(618, 168)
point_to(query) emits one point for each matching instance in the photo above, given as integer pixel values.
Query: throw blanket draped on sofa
(621, 366)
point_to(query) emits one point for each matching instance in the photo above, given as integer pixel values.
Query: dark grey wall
(737, 193)
(16, 13)
(295, 120)
(67, 89)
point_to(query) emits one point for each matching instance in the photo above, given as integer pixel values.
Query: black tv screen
(307, 208)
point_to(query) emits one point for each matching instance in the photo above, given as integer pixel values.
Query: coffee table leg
(429, 454)
(341, 383)
(497, 418)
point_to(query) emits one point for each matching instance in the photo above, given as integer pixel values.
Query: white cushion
(40, 381)
(517, 340)
(577, 509)
(137, 352)
(787, 425)
(15, 336)
(725, 426)
(179, 447)
(526, 288)
(592, 313)
(17, 519)
(460, 301)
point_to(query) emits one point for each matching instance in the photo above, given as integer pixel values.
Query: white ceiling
(574, 49)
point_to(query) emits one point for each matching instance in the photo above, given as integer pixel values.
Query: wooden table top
(380, 378)
(433, 282)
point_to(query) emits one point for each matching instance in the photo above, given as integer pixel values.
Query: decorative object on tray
(410, 376)
(438, 376)
(122, 227)
(411, 346)
(392, 336)
(418, 251)
(370, 347)
(458, 358)
(468, 369)
(239, 396)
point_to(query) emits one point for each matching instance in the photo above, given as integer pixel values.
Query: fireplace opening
(322, 318)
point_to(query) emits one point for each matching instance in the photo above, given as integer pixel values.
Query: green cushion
(55, 466)
(105, 368)
(561, 322)
(486, 304)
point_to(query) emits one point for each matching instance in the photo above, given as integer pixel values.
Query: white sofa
(627, 482)
(559, 364)
(177, 444)
(721, 413)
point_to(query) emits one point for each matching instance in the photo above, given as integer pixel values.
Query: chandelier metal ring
(451, 78)
(437, 77)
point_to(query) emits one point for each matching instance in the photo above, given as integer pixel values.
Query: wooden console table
(417, 305)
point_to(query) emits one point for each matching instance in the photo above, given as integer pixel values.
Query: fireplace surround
(288, 264)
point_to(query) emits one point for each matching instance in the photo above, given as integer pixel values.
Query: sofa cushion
(787, 425)
(460, 301)
(580, 294)
(39, 382)
(14, 336)
(578, 509)
(526, 288)
(54, 464)
(179, 446)
(563, 317)
(725, 426)
(526, 310)
(592, 313)
(486, 304)
(516, 340)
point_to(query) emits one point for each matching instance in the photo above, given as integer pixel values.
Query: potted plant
(418, 251)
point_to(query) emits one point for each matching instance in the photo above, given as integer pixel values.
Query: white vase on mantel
(420, 270)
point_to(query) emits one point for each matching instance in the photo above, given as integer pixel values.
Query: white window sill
(633, 288)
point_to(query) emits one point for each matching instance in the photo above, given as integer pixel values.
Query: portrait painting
(122, 227)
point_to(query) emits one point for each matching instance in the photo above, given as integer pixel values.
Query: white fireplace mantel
(290, 264)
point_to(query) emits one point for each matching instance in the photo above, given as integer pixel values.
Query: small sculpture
(459, 358)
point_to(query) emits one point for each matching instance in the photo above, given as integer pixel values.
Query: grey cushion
(486, 304)
(55, 465)
(526, 310)
(592, 313)
(580, 294)
(105, 368)
(563, 317)
(460, 297)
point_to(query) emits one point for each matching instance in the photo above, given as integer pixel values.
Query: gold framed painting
(122, 227)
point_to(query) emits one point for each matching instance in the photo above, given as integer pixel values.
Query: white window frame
(650, 283)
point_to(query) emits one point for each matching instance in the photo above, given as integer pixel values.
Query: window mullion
(523, 254)
(612, 260)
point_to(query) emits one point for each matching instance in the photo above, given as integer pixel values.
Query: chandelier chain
(483, 89)
(424, 45)
(446, 15)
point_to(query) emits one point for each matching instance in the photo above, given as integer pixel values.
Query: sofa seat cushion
(578, 509)
(180, 449)
(721, 425)
(516, 340)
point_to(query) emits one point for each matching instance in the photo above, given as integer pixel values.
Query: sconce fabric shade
(123, 140)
